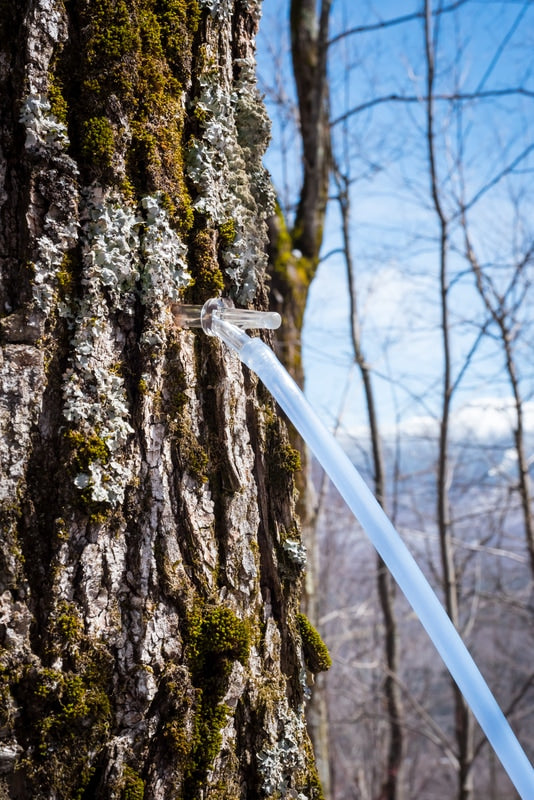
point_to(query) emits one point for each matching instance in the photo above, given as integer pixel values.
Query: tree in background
(151, 644)
(294, 245)
(434, 128)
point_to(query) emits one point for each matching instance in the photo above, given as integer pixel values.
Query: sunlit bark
(149, 639)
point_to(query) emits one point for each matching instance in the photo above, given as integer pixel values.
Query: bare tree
(503, 307)
(391, 788)
(463, 718)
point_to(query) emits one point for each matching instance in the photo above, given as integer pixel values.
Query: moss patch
(98, 142)
(133, 786)
(65, 274)
(86, 449)
(315, 651)
(227, 233)
(67, 625)
(7, 711)
(121, 88)
(66, 712)
(284, 460)
(58, 104)
(217, 639)
(209, 280)
(192, 456)
(313, 787)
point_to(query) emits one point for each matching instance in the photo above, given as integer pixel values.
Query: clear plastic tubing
(261, 359)
(188, 316)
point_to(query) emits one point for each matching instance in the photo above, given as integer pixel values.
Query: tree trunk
(294, 257)
(463, 718)
(391, 784)
(505, 321)
(150, 644)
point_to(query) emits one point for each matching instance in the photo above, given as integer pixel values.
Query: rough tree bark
(150, 637)
(294, 257)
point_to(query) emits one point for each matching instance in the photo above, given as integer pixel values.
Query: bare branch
(390, 23)
(509, 168)
(502, 45)
(454, 97)
(433, 732)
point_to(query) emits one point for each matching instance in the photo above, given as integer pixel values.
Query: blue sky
(486, 46)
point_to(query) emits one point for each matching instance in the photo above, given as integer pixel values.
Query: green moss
(178, 738)
(132, 62)
(217, 638)
(64, 279)
(192, 456)
(99, 513)
(198, 460)
(127, 188)
(207, 740)
(143, 157)
(65, 275)
(284, 460)
(58, 104)
(12, 557)
(97, 142)
(315, 651)
(69, 703)
(289, 458)
(178, 21)
(66, 713)
(208, 277)
(227, 233)
(312, 784)
(114, 33)
(87, 448)
(133, 786)
(7, 709)
(68, 624)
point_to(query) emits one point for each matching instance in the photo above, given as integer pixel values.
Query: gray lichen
(225, 166)
(296, 551)
(283, 757)
(165, 271)
(221, 9)
(46, 138)
(43, 129)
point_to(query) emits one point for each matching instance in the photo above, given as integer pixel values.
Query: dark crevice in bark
(47, 497)
(269, 577)
(13, 236)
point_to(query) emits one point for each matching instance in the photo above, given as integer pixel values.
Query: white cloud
(390, 297)
(486, 419)
(490, 418)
